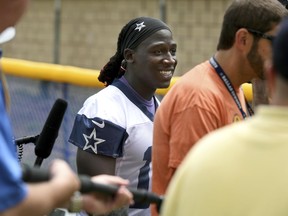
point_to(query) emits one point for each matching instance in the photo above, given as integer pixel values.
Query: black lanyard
(230, 88)
(1, 81)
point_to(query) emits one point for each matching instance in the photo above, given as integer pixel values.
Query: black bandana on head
(139, 29)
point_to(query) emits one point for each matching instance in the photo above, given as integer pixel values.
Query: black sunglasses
(260, 34)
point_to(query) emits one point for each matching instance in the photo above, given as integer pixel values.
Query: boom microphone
(30, 174)
(49, 133)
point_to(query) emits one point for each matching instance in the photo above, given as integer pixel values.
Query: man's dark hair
(258, 15)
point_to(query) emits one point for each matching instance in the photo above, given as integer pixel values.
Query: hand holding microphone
(92, 201)
(103, 184)
(102, 194)
(120, 198)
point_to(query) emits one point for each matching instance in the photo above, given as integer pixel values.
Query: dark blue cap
(280, 50)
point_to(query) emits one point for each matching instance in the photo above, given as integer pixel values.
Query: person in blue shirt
(20, 198)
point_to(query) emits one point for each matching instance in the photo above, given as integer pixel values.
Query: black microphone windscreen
(49, 133)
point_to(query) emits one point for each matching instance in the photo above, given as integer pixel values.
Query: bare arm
(92, 164)
(44, 197)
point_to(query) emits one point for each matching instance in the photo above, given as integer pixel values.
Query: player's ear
(129, 55)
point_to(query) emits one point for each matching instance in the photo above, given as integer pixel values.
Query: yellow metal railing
(72, 75)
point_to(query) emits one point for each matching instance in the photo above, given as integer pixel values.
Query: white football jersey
(115, 123)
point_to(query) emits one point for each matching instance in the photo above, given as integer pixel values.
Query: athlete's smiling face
(152, 64)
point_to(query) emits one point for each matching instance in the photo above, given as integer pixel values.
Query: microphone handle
(141, 195)
(38, 162)
(34, 174)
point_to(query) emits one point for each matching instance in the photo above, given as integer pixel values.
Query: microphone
(30, 174)
(33, 175)
(49, 133)
(141, 196)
